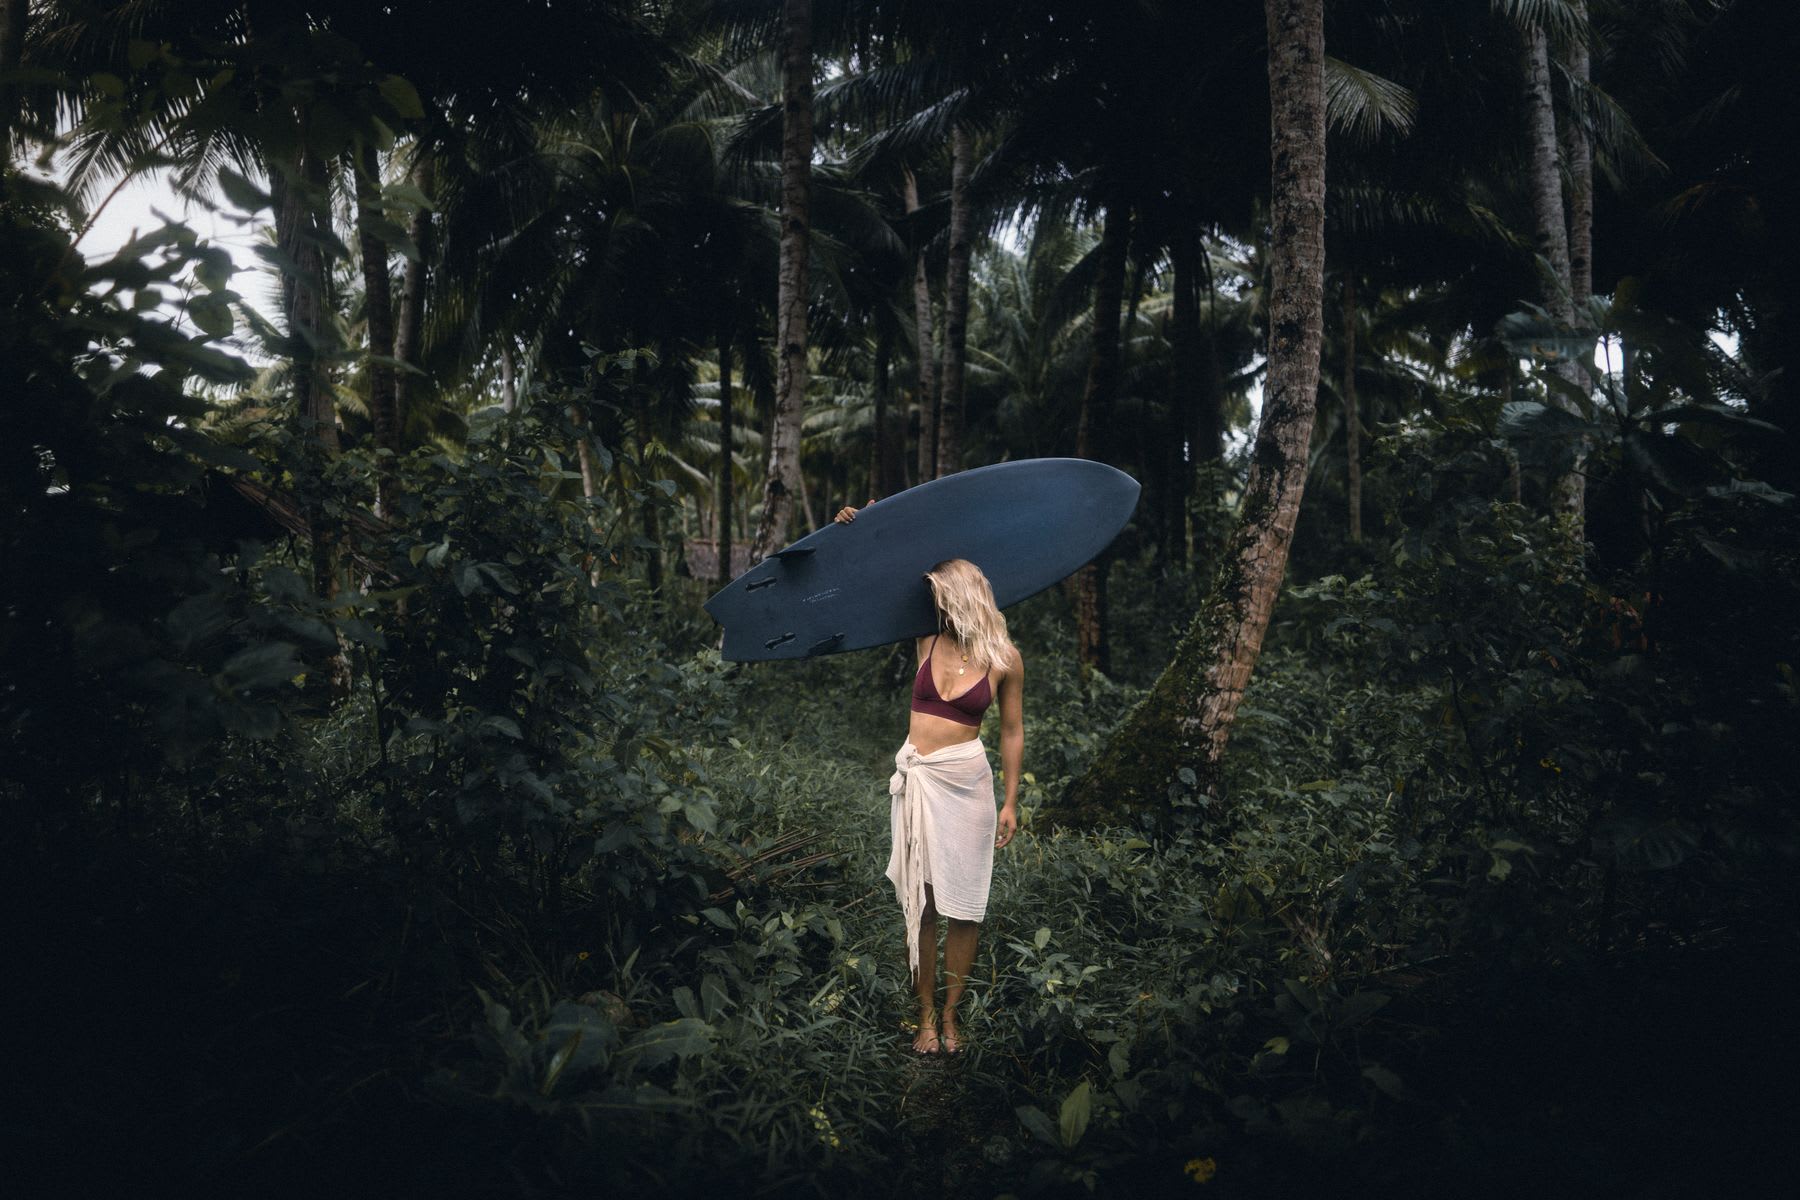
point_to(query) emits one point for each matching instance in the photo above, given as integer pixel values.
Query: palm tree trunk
(1186, 719)
(956, 306)
(509, 386)
(13, 14)
(1546, 179)
(303, 289)
(1352, 418)
(378, 303)
(1578, 153)
(926, 340)
(1096, 410)
(725, 463)
(411, 319)
(790, 335)
(1569, 492)
(879, 481)
(1190, 373)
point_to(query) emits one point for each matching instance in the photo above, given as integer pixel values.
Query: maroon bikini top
(964, 709)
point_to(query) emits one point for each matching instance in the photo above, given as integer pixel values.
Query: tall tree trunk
(1352, 418)
(880, 482)
(378, 304)
(1095, 416)
(1190, 386)
(1578, 153)
(927, 351)
(411, 320)
(1186, 719)
(725, 460)
(1209, 422)
(1546, 177)
(13, 15)
(304, 299)
(1569, 491)
(956, 305)
(790, 320)
(509, 386)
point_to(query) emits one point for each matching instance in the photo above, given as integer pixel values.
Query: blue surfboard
(1027, 524)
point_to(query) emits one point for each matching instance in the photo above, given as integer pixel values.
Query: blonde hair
(966, 610)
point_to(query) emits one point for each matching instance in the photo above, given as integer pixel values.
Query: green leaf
(673, 1039)
(1387, 1081)
(1038, 1122)
(402, 97)
(262, 666)
(504, 725)
(241, 192)
(1042, 938)
(1072, 1121)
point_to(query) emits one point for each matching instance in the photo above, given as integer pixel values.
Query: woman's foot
(949, 1040)
(927, 1041)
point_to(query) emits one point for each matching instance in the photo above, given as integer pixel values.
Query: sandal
(936, 1046)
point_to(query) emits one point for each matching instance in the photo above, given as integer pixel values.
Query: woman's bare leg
(926, 983)
(959, 957)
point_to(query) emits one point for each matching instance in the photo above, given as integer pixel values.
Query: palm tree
(790, 310)
(1186, 719)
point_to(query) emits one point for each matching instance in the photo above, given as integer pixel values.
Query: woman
(945, 830)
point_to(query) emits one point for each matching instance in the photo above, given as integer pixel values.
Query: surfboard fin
(824, 644)
(759, 583)
(792, 552)
(776, 641)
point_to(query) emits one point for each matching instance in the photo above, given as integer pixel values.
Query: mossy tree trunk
(956, 305)
(784, 480)
(1096, 417)
(925, 344)
(1186, 719)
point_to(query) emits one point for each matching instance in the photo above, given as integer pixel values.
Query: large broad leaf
(1525, 419)
(1710, 414)
(673, 1039)
(1752, 489)
(1072, 1121)
(1675, 464)
(579, 1038)
(1644, 841)
(1536, 336)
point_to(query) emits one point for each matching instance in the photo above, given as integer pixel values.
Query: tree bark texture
(956, 305)
(879, 449)
(411, 319)
(1352, 418)
(1096, 413)
(1546, 177)
(1578, 153)
(1186, 719)
(509, 386)
(378, 305)
(725, 461)
(1568, 493)
(303, 291)
(926, 346)
(1189, 388)
(783, 478)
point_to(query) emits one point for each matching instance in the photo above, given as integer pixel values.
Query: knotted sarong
(942, 807)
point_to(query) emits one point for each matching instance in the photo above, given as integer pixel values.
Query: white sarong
(942, 807)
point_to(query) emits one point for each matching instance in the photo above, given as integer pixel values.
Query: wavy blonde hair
(966, 609)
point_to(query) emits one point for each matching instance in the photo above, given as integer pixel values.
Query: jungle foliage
(383, 817)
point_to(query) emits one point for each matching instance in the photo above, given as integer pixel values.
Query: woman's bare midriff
(930, 734)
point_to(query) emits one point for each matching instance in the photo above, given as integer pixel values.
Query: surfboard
(1028, 524)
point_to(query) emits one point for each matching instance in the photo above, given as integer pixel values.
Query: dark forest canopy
(350, 608)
